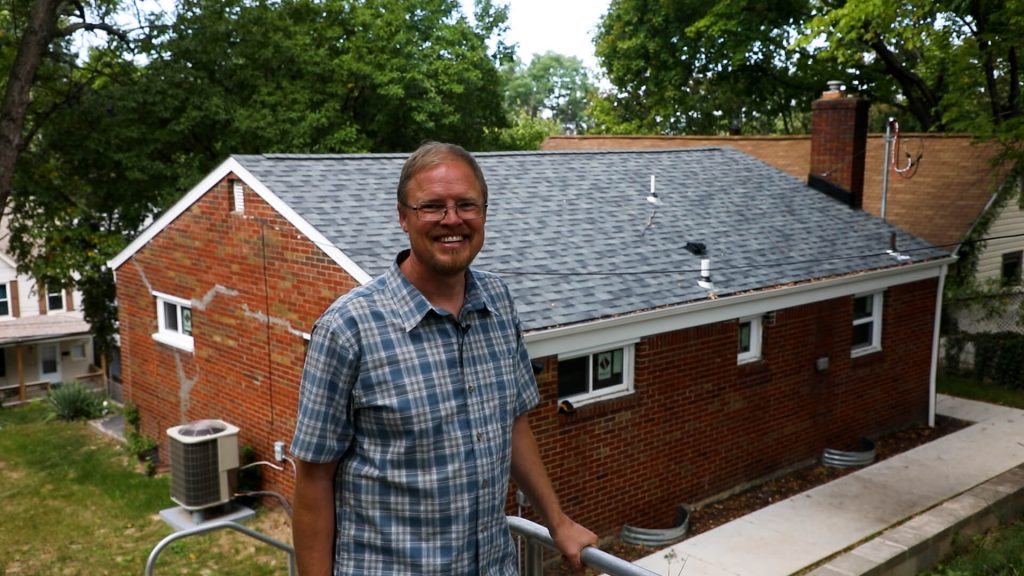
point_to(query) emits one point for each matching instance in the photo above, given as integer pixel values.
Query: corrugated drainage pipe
(657, 538)
(849, 459)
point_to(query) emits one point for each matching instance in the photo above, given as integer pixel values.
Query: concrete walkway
(858, 524)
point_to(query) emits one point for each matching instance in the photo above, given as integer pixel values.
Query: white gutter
(932, 378)
(561, 340)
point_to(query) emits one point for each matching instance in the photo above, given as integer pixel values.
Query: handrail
(218, 525)
(537, 535)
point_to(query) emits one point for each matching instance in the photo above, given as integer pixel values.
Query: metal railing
(219, 525)
(537, 538)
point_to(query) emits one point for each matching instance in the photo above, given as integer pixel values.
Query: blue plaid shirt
(418, 405)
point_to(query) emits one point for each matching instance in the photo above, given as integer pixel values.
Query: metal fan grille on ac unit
(199, 482)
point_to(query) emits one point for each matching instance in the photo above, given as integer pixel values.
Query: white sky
(563, 26)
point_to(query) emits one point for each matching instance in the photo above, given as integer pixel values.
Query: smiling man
(413, 402)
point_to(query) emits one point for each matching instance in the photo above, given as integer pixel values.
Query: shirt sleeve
(528, 396)
(323, 427)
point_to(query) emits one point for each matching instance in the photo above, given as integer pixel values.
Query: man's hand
(570, 539)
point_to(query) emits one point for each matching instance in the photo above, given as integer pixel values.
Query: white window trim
(754, 354)
(168, 337)
(876, 327)
(63, 300)
(628, 363)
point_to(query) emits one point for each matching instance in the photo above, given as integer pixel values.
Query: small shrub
(131, 416)
(73, 401)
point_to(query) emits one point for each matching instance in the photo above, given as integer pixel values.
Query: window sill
(580, 401)
(175, 340)
(864, 351)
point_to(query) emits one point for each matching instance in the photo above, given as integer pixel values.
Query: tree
(955, 62)
(697, 67)
(552, 86)
(240, 76)
(46, 23)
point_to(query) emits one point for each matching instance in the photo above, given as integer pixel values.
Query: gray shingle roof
(568, 230)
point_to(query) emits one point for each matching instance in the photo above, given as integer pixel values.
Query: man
(412, 411)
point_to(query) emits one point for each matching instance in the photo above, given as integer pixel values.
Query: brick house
(688, 371)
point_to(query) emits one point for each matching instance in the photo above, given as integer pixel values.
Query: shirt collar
(412, 306)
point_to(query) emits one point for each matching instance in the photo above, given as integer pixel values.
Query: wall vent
(204, 463)
(237, 196)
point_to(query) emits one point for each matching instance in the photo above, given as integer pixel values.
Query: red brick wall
(248, 314)
(839, 136)
(698, 424)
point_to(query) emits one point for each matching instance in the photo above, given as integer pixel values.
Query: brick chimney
(839, 130)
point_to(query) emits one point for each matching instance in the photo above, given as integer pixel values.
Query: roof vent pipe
(705, 274)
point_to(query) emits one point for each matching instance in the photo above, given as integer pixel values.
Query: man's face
(448, 246)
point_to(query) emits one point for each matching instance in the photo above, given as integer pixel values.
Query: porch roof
(41, 328)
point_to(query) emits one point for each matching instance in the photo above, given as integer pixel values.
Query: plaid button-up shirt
(418, 405)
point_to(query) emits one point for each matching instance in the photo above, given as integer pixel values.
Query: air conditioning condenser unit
(204, 463)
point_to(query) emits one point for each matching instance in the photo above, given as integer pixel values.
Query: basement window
(593, 375)
(749, 348)
(867, 324)
(174, 321)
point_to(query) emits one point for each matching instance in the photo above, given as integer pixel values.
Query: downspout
(935, 346)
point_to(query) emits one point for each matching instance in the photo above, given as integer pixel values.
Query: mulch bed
(772, 491)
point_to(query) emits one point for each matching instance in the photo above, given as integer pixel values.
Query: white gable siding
(28, 293)
(1008, 236)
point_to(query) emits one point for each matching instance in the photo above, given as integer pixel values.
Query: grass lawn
(73, 502)
(974, 390)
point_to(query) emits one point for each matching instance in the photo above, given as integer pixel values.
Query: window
(589, 376)
(5, 301)
(867, 324)
(1011, 268)
(3, 363)
(78, 351)
(174, 321)
(54, 300)
(749, 348)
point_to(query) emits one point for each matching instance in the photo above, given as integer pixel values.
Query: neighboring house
(43, 337)
(668, 376)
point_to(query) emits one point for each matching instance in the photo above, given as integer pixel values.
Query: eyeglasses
(435, 212)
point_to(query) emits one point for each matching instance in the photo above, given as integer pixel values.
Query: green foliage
(525, 133)
(123, 138)
(950, 65)
(999, 358)
(997, 553)
(552, 86)
(697, 67)
(72, 401)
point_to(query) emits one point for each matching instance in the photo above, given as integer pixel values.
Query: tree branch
(92, 27)
(920, 98)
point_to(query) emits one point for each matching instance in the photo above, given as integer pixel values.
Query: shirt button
(487, 484)
(479, 436)
(472, 387)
